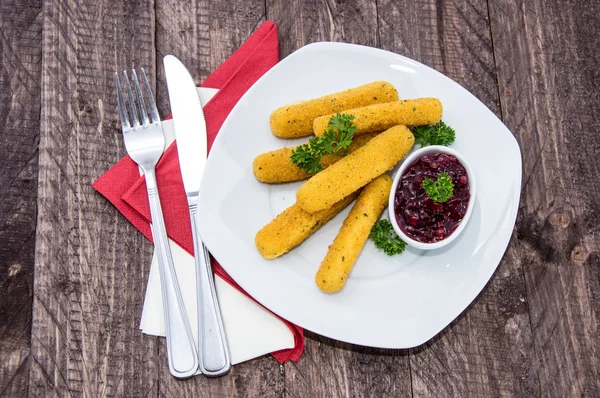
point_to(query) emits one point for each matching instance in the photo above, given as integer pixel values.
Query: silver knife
(190, 134)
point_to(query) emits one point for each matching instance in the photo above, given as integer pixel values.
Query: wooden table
(73, 271)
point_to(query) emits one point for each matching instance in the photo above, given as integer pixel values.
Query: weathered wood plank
(20, 56)
(329, 368)
(300, 23)
(548, 74)
(203, 34)
(488, 350)
(91, 265)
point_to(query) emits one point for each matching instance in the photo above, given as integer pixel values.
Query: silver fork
(145, 143)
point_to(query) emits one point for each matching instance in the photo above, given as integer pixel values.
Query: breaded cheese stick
(353, 235)
(296, 120)
(378, 117)
(276, 167)
(355, 170)
(292, 227)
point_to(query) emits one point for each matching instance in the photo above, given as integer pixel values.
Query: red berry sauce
(418, 216)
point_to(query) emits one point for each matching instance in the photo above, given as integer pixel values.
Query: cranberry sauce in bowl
(424, 222)
(419, 216)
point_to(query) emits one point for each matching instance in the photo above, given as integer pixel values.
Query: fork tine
(152, 104)
(132, 107)
(142, 105)
(122, 107)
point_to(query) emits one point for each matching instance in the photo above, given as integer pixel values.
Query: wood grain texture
(488, 350)
(203, 34)
(547, 62)
(330, 368)
(90, 265)
(20, 56)
(303, 22)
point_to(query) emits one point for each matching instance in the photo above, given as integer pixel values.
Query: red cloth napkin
(124, 188)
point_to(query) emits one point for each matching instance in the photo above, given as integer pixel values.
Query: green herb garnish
(434, 134)
(440, 190)
(334, 141)
(385, 238)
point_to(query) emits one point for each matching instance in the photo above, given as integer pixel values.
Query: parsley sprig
(440, 190)
(434, 134)
(334, 141)
(385, 238)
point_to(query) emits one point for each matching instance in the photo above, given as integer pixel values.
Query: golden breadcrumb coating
(292, 226)
(296, 120)
(355, 170)
(353, 235)
(276, 167)
(378, 117)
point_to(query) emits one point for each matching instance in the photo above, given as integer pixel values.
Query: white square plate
(389, 302)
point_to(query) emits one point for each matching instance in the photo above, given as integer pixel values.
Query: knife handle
(213, 352)
(181, 351)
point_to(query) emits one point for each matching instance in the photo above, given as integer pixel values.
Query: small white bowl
(409, 161)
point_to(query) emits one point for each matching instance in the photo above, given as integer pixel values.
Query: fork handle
(181, 350)
(212, 345)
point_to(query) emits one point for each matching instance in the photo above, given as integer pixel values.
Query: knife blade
(190, 135)
(188, 119)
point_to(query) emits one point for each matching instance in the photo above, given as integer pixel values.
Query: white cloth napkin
(251, 330)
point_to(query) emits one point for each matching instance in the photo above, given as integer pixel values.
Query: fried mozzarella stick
(292, 227)
(377, 117)
(296, 120)
(276, 167)
(355, 170)
(353, 235)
